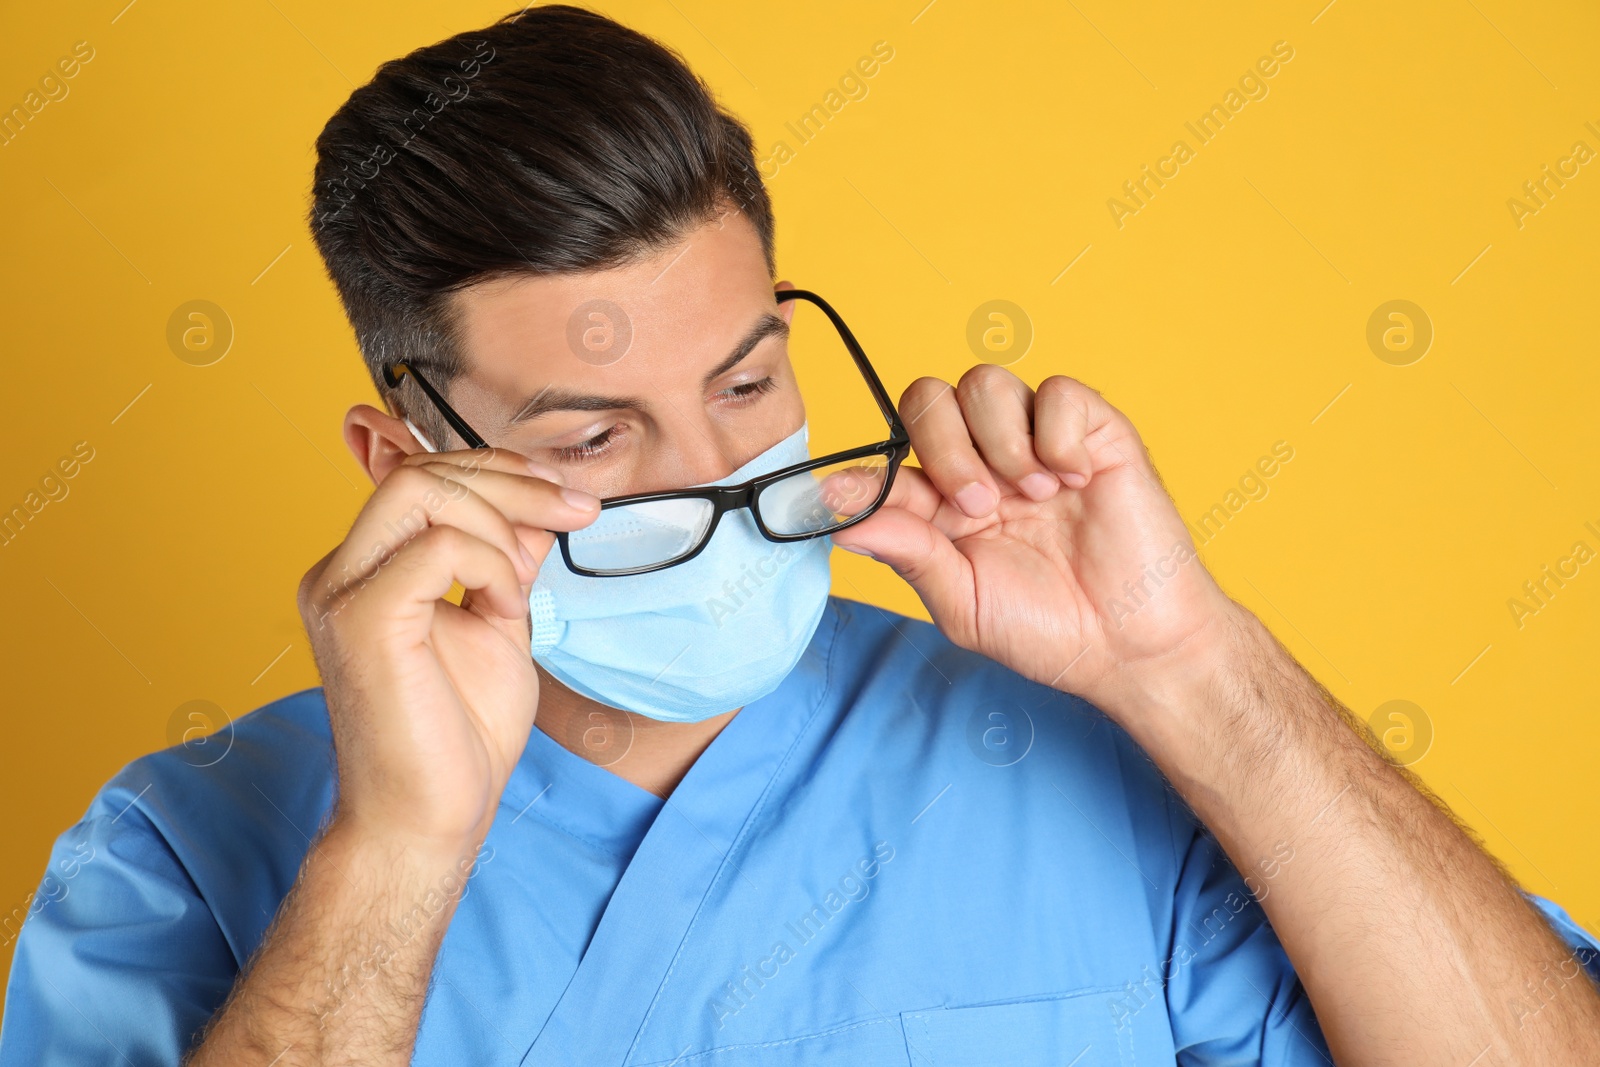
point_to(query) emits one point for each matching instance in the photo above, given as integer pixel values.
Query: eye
(597, 445)
(747, 391)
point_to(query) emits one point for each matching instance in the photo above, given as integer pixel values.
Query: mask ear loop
(544, 629)
(421, 440)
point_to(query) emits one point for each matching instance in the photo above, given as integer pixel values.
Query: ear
(378, 440)
(786, 308)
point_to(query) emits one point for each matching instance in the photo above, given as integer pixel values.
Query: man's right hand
(430, 703)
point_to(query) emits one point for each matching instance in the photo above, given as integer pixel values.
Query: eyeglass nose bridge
(726, 499)
(733, 497)
(722, 497)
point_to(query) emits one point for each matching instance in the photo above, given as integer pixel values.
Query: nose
(697, 451)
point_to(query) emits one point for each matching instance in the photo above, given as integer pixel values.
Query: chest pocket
(1077, 1030)
(1080, 1030)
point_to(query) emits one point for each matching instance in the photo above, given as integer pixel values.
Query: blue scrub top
(907, 855)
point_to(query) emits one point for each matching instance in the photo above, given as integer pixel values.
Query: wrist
(399, 856)
(345, 964)
(1200, 699)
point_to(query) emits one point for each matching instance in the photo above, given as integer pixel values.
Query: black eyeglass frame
(726, 498)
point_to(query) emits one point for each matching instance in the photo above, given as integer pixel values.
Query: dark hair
(553, 141)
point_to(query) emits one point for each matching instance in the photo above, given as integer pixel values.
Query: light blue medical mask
(693, 640)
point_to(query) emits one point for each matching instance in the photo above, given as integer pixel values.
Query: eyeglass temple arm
(897, 430)
(391, 374)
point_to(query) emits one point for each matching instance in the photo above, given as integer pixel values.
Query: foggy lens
(631, 536)
(825, 498)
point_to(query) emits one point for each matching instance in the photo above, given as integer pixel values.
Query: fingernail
(527, 557)
(858, 551)
(975, 499)
(579, 499)
(1039, 485)
(540, 470)
(1074, 480)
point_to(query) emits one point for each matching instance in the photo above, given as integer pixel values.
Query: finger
(415, 497)
(364, 554)
(500, 459)
(1067, 417)
(944, 449)
(913, 491)
(835, 494)
(407, 583)
(533, 505)
(531, 501)
(998, 407)
(536, 540)
(917, 551)
(427, 566)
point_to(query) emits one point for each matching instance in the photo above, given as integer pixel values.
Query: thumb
(918, 552)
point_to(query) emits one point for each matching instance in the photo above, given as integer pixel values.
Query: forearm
(1413, 945)
(343, 971)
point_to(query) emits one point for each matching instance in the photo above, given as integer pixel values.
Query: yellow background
(1225, 316)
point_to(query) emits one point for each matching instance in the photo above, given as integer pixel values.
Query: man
(809, 851)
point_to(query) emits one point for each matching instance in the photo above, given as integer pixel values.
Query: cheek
(793, 407)
(786, 407)
(783, 414)
(757, 427)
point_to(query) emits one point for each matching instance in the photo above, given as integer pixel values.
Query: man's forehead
(708, 284)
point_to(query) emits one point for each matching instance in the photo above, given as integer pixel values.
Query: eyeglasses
(642, 532)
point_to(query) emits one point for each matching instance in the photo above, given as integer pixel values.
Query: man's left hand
(1037, 533)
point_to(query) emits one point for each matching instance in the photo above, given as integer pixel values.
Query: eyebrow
(768, 325)
(549, 400)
